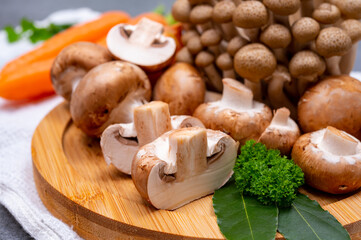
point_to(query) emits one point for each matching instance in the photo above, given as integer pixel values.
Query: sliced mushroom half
(183, 165)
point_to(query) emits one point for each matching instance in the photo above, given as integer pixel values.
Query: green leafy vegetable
(243, 217)
(35, 34)
(305, 219)
(266, 175)
(160, 9)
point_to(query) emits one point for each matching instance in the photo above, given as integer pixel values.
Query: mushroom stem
(307, 7)
(229, 31)
(145, 32)
(338, 142)
(210, 96)
(347, 61)
(151, 121)
(188, 150)
(235, 95)
(250, 35)
(255, 87)
(303, 82)
(281, 117)
(333, 65)
(214, 77)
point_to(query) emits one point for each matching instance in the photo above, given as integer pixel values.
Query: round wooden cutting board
(78, 187)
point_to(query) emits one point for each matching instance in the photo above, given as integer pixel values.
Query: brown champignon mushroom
(182, 87)
(338, 101)
(277, 37)
(332, 43)
(235, 44)
(222, 14)
(249, 17)
(275, 90)
(183, 165)
(326, 14)
(107, 94)
(254, 62)
(282, 133)
(142, 44)
(236, 113)
(349, 8)
(306, 67)
(211, 96)
(205, 61)
(330, 160)
(181, 10)
(201, 16)
(211, 39)
(281, 9)
(304, 31)
(120, 142)
(73, 62)
(353, 29)
(225, 63)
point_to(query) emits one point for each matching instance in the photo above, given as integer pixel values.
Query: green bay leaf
(305, 219)
(242, 217)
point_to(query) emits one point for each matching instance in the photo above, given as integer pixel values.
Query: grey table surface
(11, 11)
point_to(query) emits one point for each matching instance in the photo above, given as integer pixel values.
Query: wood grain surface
(78, 187)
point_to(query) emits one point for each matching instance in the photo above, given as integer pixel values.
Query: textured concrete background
(11, 11)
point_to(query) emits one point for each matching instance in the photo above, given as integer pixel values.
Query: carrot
(150, 15)
(102, 42)
(28, 82)
(90, 31)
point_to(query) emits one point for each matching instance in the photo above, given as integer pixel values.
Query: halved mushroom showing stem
(236, 113)
(330, 160)
(107, 94)
(120, 142)
(73, 62)
(282, 133)
(142, 44)
(183, 165)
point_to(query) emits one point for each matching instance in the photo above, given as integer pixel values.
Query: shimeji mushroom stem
(255, 87)
(347, 61)
(145, 32)
(307, 7)
(250, 35)
(338, 142)
(214, 77)
(236, 95)
(333, 65)
(151, 120)
(188, 149)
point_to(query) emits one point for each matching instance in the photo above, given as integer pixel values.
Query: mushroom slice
(236, 114)
(330, 159)
(282, 133)
(183, 165)
(107, 94)
(142, 44)
(73, 62)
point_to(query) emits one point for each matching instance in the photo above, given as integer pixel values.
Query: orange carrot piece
(28, 81)
(150, 15)
(102, 42)
(90, 31)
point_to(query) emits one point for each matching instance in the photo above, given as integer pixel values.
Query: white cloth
(18, 121)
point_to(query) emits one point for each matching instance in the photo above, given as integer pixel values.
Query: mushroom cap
(333, 41)
(254, 62)
(326, 13)
(182, 87)
(106, 95)
(338, 101)
(306, 64)
(282, 133)
(223, 11)
(142, 44)
(305, 29)
(184, 55)
(201, 14)
(276, 36)
(250, 14)
(202, 156)
(283, 7)
(73, 62)
(181, 10)
(188, 35)
(194, 45)
(204, 59)
(224, 61)
(211, 37)
(350, 8)
(353, 29)
(323, 170)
